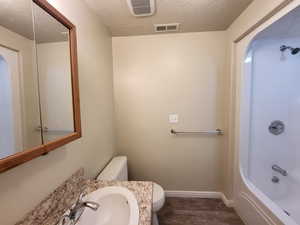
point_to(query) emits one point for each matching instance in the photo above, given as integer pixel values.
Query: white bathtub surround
(275, 96)
(267, 90)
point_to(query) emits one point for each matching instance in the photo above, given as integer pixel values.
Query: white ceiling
(193, 15)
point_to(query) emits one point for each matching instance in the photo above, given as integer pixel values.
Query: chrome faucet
(77, 209)
(279, 170)
(73, 215)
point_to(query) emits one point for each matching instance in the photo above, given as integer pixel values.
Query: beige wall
(25, 186)
(162, 74)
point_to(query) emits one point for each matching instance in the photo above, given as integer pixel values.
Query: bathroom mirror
(39, 95)
(54, 73)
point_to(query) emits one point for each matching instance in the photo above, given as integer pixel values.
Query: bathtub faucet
(279, 170)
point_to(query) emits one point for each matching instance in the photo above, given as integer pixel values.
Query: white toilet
(117, 170)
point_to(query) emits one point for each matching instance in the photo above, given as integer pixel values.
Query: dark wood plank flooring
(197, 211)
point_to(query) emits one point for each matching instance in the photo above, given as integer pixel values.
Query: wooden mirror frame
(29, 154)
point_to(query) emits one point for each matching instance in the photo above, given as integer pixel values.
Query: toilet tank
(115, 170)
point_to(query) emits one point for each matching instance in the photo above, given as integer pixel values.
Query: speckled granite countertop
(50, 210)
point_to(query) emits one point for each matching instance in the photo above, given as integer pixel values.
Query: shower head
(294, 51)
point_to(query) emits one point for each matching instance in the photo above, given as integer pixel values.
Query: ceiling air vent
(141, 7)
(170, 27)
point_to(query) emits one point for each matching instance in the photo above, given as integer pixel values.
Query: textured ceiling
(16, 15)
(193, 15)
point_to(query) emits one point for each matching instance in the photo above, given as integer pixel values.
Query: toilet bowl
(158, 201)
(117, 170)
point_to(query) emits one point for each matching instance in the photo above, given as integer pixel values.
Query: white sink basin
(118, 206)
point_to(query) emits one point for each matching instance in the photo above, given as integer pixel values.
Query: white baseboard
(193, 194)
(229, 203)
(200, 194)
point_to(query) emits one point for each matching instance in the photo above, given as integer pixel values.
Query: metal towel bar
(210, 132)
(47, 130)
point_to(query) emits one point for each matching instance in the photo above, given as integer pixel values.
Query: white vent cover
(170, 27)
(141, 7)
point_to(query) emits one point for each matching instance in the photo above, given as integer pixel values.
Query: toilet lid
(158, 197)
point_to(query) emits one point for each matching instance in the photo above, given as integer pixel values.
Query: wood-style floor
(197, 211)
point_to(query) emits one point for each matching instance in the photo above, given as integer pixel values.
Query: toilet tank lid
(113, 169)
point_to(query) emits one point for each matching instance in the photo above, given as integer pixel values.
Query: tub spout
(279, 170)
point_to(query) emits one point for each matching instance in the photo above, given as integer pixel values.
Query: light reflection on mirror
(54, 72)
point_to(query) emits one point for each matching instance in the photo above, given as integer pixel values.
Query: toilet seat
(158, 197)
